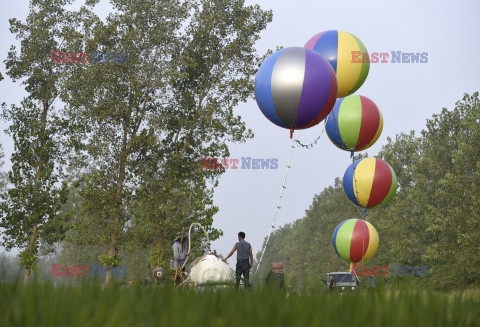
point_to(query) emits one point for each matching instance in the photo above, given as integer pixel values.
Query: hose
(190, 241)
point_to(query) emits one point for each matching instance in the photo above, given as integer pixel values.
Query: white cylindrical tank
(210, 269)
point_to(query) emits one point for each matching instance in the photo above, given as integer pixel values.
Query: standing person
(276, 277)
(244, 252)
(331, 283)
(179, 251)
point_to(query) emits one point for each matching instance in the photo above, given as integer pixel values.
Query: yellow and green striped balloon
(355, 123)
(355, 240)
(345, 52)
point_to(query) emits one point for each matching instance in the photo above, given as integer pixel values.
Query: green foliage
(30, 210)
(157, 258)
(108, 261)
(46, 305)
(28, 260)
(432, 221)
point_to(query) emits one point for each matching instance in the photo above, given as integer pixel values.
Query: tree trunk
(26, 277)
(32, 238)
(31, 246)
(112, 251)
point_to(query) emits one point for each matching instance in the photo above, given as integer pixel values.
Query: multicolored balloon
(344, 51)
(355, 240)
(295, 88)
(355, 123)
(370, 182)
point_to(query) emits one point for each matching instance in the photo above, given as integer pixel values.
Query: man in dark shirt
(276, 277)
(244, 252)
(331, 283)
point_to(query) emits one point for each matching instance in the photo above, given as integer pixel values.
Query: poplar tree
(30, 209)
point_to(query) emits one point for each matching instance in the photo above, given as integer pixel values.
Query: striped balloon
(344, 52)
(295, 88)
(370, 182)
(355, 123)
(355, 240)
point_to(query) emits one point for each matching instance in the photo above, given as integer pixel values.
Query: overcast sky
(406, 93)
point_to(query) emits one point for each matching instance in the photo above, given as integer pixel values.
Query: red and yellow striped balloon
(354, 124)
(370, 182)
(355, 240)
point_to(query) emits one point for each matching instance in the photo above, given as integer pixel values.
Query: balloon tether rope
(278, 206)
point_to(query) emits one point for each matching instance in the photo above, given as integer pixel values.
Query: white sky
(407, 94)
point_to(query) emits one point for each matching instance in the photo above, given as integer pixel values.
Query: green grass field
(44, 305)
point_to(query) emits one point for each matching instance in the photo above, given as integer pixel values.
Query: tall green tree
(30, 208)
(189, 64)
(115, 102)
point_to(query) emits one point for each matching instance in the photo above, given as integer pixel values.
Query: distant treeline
(433, 220)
